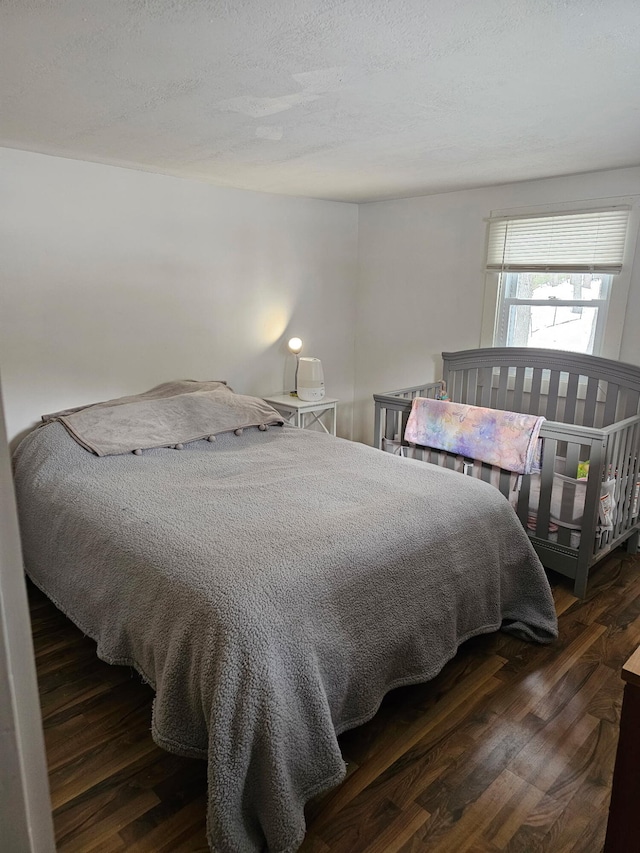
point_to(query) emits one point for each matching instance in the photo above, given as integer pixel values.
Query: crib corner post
(377, 426)
(581, 581)
(632, 542)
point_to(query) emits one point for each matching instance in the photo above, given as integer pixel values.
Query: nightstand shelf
(298, 411)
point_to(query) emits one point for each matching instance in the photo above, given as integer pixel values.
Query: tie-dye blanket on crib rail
(509, 440)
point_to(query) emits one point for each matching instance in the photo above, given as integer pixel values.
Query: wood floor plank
(92, 766)
(467, 832)
(166, 836)
(508, 820)
(422, 764)
(539, 684)
(313, 844)
(105, 824)
(394, 750)
(146, 774)
(93, 722)
(403, 707)
(65, 701)
(344, 834)
(393, 837)
(563, 599)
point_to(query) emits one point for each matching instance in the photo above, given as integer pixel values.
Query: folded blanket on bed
(169, 414)
(509, 440)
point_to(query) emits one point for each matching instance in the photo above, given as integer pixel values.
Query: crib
(586, 499)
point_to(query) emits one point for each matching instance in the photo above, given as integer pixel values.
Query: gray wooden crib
(585, 501)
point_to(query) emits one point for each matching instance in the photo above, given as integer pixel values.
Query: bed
(586, 499)
(271, 585)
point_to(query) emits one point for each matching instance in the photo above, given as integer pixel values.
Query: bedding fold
(170, 414)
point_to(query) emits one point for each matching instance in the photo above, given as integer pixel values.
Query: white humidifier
(310, 379)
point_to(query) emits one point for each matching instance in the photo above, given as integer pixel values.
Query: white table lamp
(295, 345)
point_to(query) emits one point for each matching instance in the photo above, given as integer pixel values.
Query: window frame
(611, 340)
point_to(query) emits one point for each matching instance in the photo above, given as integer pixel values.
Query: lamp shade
(310, 379)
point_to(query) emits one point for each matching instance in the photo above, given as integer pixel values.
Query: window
(555, 277)
(565, 311)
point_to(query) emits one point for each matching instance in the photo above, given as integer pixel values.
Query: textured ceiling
(355, 100)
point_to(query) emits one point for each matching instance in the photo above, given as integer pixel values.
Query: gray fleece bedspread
(272, 587)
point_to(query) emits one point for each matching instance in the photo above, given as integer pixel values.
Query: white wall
(421, 279)
(113, 280)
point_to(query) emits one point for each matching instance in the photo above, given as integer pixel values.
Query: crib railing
(563, 386)
(393, 409)
(622, 465)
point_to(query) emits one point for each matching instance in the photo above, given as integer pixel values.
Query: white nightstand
(296, 410)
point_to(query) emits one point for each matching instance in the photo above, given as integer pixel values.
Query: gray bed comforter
(272, 587)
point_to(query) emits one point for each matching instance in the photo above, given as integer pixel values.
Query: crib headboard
(563, 386)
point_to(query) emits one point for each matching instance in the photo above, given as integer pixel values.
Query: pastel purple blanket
(509, 440)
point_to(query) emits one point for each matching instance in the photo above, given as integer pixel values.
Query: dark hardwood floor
(511, 748)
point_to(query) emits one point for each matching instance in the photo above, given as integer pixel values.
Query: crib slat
(390, 423)
(518, 388)
(564, 535)
(611, 404)
(623, 485)
(471, 382)
(572, 457)
(546, 486)
(487, 379)
(634, 475)
(552, 394)
(624, 518)
(523, 501)
(455, 385)
(611, 469)
(571, 399)
(505, 483)
(568, 497)
(619, 472)
(536, 383)
(404, 417)
(611, 460)
(631, 403)
(486, 472)
(459, 385)
(589, 414)
(503, 384)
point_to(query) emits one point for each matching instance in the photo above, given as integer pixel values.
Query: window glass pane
(558, 285)
(552, 327)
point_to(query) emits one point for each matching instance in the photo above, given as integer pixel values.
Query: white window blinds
(591, 241)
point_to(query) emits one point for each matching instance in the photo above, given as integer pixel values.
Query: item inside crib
(568, 496)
